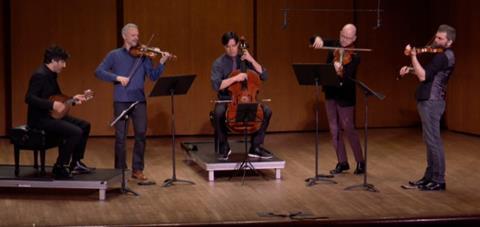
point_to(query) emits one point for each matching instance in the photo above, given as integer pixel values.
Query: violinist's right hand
(240, 77)
(123, 80)
(318, 43)
(404, 71)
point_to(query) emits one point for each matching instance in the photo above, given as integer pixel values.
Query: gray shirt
(221, 69)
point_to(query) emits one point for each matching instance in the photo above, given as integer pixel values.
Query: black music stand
(171, 86)
(124, 116)
(366, 92)
(246, 112)
(317, 74)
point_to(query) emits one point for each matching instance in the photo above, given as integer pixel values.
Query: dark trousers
(139, 119)
(340, 121)
(431, 112)
(219, 123)
(74, 133)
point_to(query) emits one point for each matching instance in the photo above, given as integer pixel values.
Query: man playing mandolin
(42, 109)
(221, 79)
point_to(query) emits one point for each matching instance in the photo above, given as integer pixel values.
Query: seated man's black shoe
(259, 152)
(433, 186)
(341, 166)
(78, 167)
(419, 183)
(224, 152)
(360, 168)
(223, 156)
(61, 172)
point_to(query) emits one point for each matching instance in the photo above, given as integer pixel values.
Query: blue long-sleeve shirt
(119, 63)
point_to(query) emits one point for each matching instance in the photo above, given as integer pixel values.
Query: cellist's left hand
(246, 56)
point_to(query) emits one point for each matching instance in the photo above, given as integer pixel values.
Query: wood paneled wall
(2, 72)
(279, 46)
(191, 29)
(86, 29)
(463, 109)
(379, 68)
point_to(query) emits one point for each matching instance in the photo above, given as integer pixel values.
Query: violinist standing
(430, 97)
(221, 80)
(340, 101)
(128, 73)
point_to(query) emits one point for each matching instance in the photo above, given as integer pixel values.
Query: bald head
(348, 35)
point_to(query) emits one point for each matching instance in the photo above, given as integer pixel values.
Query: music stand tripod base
(172, 86)
(317, 75)
(246, 112)
(124, 117)
(321, 177)
(367, 187)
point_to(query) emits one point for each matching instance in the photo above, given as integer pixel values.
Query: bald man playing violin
(340, 101)
(430, 97)
(127, 73)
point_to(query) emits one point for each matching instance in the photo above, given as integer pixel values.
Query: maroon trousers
(340, 121)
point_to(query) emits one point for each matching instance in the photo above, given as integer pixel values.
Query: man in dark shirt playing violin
(43, 85)
(221, 80)
(340, 101)
(430, 97)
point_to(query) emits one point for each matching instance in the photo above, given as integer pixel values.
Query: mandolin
(69, 102)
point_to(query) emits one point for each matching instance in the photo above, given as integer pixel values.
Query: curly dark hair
(56, 53)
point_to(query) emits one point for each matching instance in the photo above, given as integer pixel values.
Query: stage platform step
(100, 179)
(203, 154)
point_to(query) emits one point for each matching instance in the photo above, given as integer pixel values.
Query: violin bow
(344, 48)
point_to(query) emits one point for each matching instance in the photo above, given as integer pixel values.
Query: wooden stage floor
(395, 156)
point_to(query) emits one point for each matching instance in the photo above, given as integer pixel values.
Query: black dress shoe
(224, 155)
(78, 167)
(360, 168)
(341, 166)
(61, 172)
(433, 186)
(419, 183)
(259, 152)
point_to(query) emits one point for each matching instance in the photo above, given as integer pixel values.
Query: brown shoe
(138, 174)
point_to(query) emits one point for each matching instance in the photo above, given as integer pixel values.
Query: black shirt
(345, 95)
(42, 85)
(437, 73)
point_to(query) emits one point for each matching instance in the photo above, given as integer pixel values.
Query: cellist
(221, 79)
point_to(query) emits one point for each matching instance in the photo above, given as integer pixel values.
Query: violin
(344, 56)
(244, 92)
(421, 50)
(153, 53)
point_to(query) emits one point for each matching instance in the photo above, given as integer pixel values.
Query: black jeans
(221, 143)
(74, 133)
(431, 112)
(139, 119)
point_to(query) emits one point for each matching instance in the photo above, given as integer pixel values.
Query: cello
(244, 92)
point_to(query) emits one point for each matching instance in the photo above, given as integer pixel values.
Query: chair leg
(42, 162)
(16, 154)
(35, 159)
